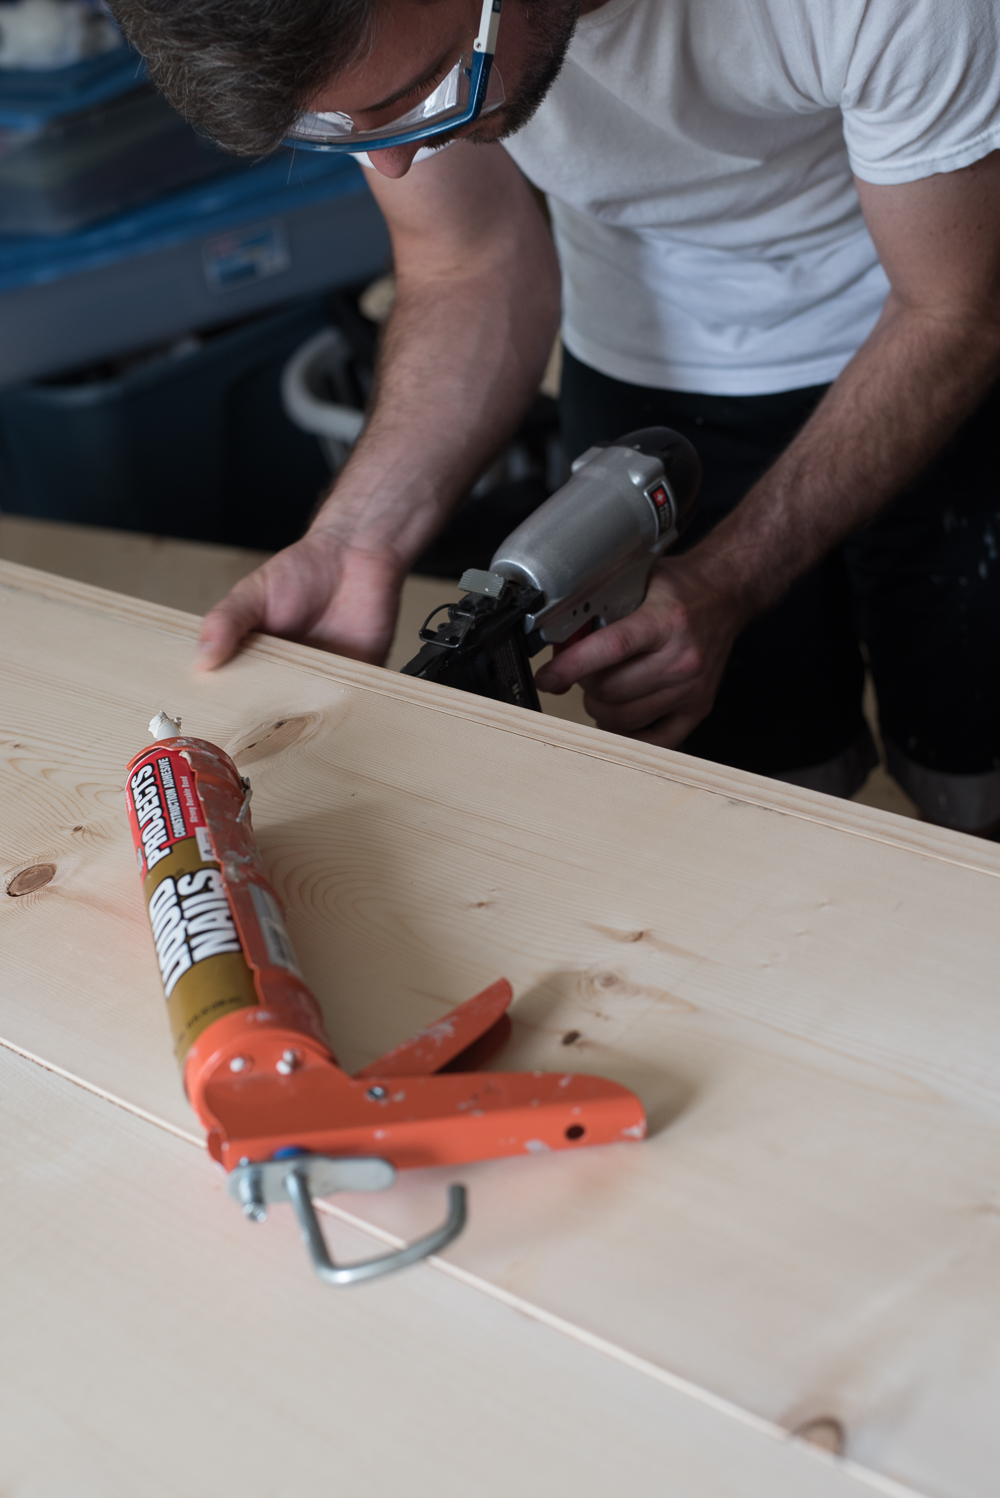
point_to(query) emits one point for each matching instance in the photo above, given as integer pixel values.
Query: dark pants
(917, 589)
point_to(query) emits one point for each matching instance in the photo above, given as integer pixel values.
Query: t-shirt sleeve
(921, 92)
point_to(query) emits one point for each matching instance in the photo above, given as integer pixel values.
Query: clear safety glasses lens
(448, 103)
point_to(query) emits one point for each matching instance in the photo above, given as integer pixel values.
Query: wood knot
(571, 1037)
(274, 737)
(825, 1432)
(28, 880)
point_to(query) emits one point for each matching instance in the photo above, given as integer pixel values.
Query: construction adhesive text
(191, 920)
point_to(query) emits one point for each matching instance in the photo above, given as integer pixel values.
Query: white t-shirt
(698, 154)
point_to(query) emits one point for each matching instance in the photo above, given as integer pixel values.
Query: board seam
(875, 1481)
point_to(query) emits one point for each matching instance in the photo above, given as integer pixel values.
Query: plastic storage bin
(317, 395)
(281, 229)
(192, 444)
(86, 142)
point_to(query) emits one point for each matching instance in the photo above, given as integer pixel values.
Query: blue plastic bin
(192, 443)
(32, 98)
(83, 143)
(279, 230)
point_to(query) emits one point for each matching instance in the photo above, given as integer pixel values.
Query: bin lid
(281, 185)
(30, 100)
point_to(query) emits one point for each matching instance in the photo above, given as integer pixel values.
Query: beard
(551, 24)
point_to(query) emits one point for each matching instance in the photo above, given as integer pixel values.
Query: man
(779, 228)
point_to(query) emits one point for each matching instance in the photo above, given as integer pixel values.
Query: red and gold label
(202, 961)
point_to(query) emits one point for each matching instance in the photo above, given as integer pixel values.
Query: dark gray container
(192, 444)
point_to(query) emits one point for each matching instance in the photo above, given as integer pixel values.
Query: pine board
(154, 1345)
(801, 990)
(194, 575)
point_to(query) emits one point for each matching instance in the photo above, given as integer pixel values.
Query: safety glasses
(471, 88)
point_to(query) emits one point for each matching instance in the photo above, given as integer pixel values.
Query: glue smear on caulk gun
(282, 1118)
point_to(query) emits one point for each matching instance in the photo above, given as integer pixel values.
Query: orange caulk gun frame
(284, 1120)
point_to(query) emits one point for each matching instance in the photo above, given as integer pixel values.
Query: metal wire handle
(297, 1186)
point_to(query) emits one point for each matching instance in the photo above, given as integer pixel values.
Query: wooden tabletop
(802, 991)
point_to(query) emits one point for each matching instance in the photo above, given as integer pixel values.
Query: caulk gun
(282, 1117)
(581, 561)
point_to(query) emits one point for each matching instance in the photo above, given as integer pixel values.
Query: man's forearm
(477, 307)
(461, 360)
(892, 409)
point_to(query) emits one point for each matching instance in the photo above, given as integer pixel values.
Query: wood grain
(153, 1343)
(802, 991)
(194, 575)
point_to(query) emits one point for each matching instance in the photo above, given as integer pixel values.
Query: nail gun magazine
(580, 562)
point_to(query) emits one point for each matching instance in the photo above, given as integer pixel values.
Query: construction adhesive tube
(225, 959)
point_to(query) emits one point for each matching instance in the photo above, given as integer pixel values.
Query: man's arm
(926, 365)
(476, 310)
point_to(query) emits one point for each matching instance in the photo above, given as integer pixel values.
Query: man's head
(244, 72)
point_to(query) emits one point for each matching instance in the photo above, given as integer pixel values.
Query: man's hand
(654, 675)
(319, 592)
(925, 367)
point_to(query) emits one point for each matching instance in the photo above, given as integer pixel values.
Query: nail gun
(581, 561)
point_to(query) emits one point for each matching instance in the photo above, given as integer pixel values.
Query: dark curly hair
(241, 70)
